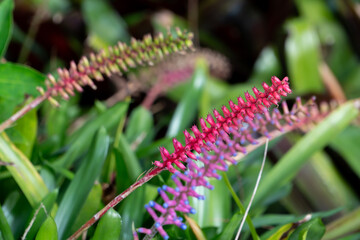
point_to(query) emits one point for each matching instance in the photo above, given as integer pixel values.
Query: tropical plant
(73, 166)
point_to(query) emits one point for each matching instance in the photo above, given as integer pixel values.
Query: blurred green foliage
(73, 160)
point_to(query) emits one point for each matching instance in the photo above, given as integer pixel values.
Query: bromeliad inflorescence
(239, 112)
(217, 155)
(114, 60)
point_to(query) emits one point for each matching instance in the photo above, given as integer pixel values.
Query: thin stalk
(254, 192)
(33, 220)
(152, 173)
(241, 207)
(23, 111)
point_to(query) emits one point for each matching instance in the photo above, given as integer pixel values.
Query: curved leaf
(185, 111)
(48, 230)
(6, 22)
(79, 188)
(22, 170)
(109, 226)
(15, 81)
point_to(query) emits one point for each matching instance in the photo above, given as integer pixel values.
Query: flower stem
(19, 114)
(148, 176)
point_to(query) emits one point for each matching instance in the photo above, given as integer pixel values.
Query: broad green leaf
(91, 206)
(313, 229)
(109, 226)
(15, 81)
(48, 202)
(106, 27)
(6, 22)
(302, 49)
(48, 230)
(80, 141)
(140, 126)
(5, 229)
(346, 143)
(80, 187)
(22, 170)
(285, 170)
(23, 134)
(186, 110)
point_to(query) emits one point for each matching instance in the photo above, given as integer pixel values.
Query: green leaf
(140, 125)
(106, 27)
(23, 134)
(347, 144)
(128, 168)
(132, 211)
(313, 229)
(5, 229)
(285, 170)
(314, 11)
(132, 163)
(302, 49)
(15, 81)
(79, 188)
(280, 231)
(266, 65)
(48, 230)
(48, 202)
(22, 170)
(80, 141)
(186, 110)
(91, 206)
(6, 22)
(109, 226)
(276, 219)
(231, 228)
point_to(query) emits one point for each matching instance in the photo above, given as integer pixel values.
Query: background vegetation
(76, 158)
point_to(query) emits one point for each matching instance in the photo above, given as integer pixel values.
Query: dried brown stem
(331, 83)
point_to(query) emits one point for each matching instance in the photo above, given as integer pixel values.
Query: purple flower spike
(216, 157)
